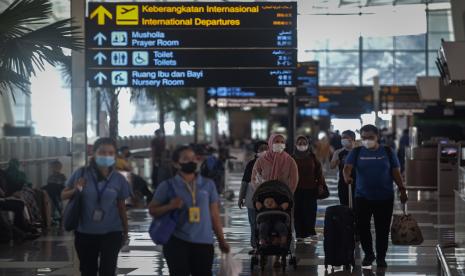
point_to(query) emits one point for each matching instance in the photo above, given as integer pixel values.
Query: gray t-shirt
(117, 189)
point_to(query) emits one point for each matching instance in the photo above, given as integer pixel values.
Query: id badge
(194, 214)
(98, 215)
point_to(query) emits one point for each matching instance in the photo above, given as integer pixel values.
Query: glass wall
(395, 43)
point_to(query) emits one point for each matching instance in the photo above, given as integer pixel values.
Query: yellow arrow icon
(101, 12)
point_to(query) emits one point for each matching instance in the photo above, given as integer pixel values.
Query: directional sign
(99, 38)
(191, 44)
(200, 58)
(191, 15)
(101, 13)
(194, 77)
(99, 78)
(99, 57)
(198, 38)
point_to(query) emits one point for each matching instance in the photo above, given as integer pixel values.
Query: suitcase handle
(351, 200)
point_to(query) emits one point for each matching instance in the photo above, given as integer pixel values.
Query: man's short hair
(349, 133)
(370, 128)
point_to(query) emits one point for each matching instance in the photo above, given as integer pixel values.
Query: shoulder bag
(162, 228)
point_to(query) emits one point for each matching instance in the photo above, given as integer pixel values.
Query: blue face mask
(105, 161)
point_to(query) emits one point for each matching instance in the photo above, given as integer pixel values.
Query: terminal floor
(53, 254)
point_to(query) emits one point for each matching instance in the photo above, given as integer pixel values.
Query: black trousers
(90, 247)
(305, 208)
(381, 210)
(185, 258)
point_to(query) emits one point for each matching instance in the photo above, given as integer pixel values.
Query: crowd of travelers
(190, 182)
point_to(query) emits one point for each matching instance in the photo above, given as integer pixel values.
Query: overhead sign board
(307, 84)
(191, 44)
(236, 97)
(346, 101)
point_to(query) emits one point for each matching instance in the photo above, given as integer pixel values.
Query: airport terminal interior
(320, 77)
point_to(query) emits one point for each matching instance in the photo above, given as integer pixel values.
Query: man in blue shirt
(376, 168)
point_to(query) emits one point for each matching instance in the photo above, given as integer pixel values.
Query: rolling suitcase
(339, 235)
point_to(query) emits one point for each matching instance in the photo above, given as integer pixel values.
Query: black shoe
(368, 260)
(381, 263)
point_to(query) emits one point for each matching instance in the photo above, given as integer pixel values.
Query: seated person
(55, 185)
(277, 225)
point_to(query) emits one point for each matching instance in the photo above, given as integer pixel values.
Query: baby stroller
(279, 192)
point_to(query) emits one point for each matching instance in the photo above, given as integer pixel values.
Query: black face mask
(190, 167)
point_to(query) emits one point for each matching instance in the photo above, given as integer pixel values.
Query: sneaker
(381, 263)
(368, 260)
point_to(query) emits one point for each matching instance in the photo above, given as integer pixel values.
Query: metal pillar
(376, 98)
(291, 91)
(201, 116)
(458, 19)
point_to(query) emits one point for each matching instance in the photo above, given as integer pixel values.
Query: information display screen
(198, 44)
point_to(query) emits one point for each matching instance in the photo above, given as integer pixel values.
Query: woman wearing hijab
(311, 182)
(276, 164)
(247, 190)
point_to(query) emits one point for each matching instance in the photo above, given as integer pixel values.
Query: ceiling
(370, 3)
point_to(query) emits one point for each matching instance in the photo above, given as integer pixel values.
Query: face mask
(105, 161)
(369, 144)
(302, 148)
(278, 148)
(190, 167)
(346, 143)
(261, 154)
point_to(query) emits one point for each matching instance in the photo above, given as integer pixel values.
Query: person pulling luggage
(376, 168)
(338, 161)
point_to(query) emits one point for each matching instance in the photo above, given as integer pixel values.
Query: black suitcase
(339, 235)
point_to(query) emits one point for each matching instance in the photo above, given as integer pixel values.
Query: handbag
(324, 194)
(72, 212)
(320, 182)
(405, 230)
(162, 228)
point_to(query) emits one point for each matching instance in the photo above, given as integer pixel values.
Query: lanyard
(192, 190)
(100, 192)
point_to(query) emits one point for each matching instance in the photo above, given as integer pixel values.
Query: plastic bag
(229, 266)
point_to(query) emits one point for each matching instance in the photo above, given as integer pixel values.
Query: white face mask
(278, 148)
(346, 143)
(261, 154)
(369, 144)
(302, 148)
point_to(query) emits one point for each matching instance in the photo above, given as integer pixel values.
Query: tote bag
(405, 230)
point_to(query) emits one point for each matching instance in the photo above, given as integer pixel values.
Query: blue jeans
(252, 214)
